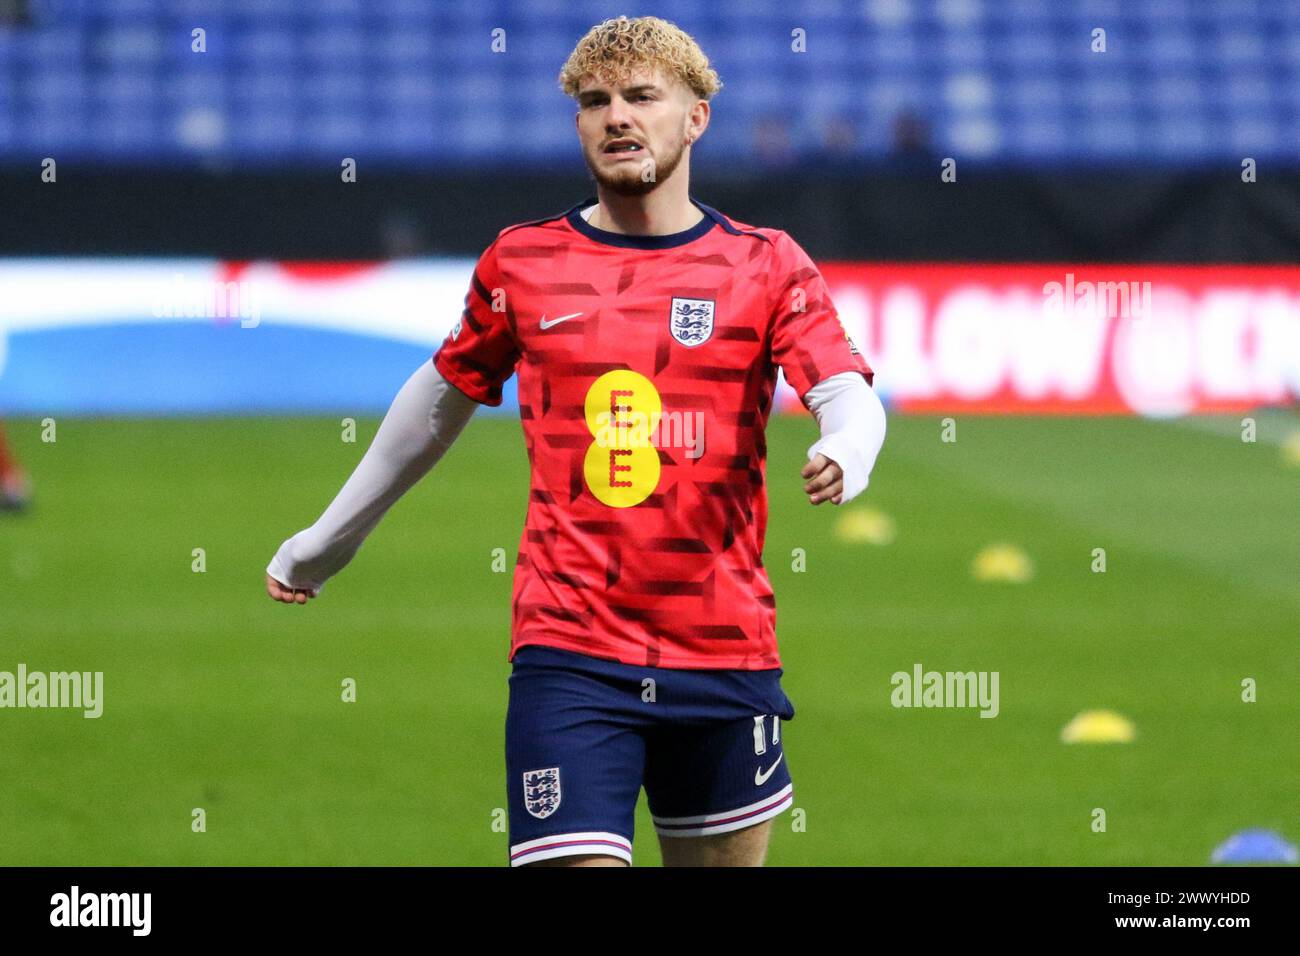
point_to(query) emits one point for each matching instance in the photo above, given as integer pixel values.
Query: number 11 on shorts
(760, 733)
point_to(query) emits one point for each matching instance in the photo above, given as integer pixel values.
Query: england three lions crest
(691, 321)
(542, 791)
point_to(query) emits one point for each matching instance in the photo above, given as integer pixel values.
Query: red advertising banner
(1075, 339)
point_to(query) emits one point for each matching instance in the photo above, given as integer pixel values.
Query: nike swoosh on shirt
(563, 318)
(760, 777)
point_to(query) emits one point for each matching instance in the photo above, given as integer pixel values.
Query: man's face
(634, 131)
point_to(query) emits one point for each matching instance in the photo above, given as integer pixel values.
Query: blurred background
(1065, 233)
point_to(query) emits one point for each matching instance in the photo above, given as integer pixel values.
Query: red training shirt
(646, 371)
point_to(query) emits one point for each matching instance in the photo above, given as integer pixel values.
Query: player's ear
(697, 121)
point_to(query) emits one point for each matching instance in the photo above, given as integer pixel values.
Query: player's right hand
(287, 595)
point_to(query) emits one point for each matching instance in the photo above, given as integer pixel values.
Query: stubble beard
(628, 181)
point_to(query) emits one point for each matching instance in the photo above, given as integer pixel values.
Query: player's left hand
(825, 480)
(287, 595)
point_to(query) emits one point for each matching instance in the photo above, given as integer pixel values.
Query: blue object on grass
(1255, 846)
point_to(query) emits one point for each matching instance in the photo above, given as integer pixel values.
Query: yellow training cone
(1002, 562)
(1098, 727)
(866, 525)
(1291, 449)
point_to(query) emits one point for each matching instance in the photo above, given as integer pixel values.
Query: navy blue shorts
(583, 735)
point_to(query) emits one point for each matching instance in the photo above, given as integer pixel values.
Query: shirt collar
(711, 218)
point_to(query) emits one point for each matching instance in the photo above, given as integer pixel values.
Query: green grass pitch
(217, 698)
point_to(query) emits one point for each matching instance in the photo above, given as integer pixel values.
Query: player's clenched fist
(287, 595)
(825, 480)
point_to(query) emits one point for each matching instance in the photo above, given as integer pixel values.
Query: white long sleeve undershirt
(428, 415)
(852, 423)
(425, 418)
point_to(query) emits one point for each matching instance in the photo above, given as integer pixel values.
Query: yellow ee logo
(622, 410)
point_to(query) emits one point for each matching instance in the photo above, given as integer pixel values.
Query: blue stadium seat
(415, 80)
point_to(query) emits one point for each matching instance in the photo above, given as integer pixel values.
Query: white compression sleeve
(425, 418)
(852, 423)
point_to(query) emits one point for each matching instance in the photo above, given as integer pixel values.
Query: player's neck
(659, 213)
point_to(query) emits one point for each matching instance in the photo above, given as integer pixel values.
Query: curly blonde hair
(612, 50)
